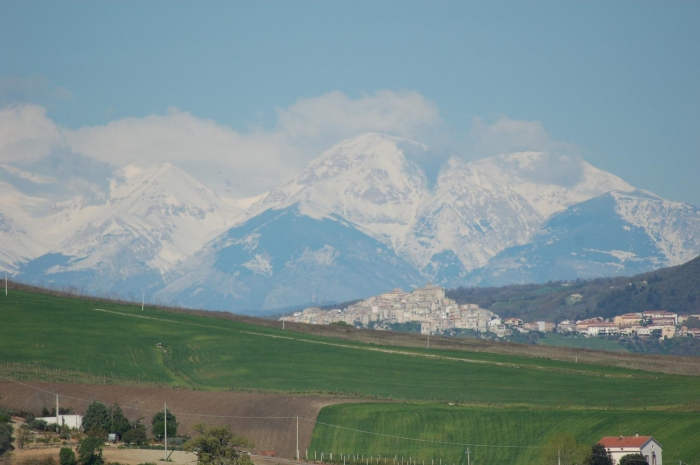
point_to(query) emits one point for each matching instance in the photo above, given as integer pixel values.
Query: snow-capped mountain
(618, 233)
(472, 212)
(360, 219)
(152, 220)
(367, 180)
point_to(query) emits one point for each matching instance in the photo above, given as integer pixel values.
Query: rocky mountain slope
(283, 258)
(616, 234)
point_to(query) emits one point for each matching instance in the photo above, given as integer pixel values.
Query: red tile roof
(624, 441)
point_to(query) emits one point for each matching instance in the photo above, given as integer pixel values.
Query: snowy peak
(550, 182)
(367, 180)
(166, 190)
(356, 156)
(164, 206)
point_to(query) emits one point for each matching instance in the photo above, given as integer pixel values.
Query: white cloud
(507, 135)
(559, 162)
(27, 134)
(241, 163)
(402, 113)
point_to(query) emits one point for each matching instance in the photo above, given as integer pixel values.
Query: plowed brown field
(267, 420)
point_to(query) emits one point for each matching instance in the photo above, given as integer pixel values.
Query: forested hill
(675, 289)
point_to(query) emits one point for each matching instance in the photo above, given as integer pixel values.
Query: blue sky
(616, 82)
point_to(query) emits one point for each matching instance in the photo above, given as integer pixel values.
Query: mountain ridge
(476, 222)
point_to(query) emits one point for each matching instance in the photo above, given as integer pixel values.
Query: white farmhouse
(619, 446)
(71, 421)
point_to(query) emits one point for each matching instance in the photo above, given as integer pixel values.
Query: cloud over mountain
(239, 163)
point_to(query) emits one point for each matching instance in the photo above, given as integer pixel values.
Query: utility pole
(58, 426)
(143, 299)
(298, 438)
(283, 316)
(6, 283)
(468, 461)
(165, 428)
(428, 345)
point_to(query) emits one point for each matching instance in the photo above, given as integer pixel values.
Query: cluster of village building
(438, 314)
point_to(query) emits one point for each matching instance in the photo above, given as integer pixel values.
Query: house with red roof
(619, 446)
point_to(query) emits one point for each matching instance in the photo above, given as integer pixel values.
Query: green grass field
(486, 430)
(580, 342)
(511, 400)
(208, 353)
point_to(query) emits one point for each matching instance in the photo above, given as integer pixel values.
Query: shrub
(38, 425)
(158, 427)
(90, 452)
(5, 437)
(135, 436)
(67, 456)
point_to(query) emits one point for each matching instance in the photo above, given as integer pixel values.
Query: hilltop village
(438, 314)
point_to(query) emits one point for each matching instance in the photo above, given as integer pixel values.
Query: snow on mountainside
(550, 182)
(17, 238)
(153, 220)
(674, 227)
(360, 219)
(618, 233)
(282, 258)
(374, 182)
(366, 180)
(470, 216)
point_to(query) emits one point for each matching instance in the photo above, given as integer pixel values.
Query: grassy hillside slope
(506, 435)
(111, 339)
(675, 289)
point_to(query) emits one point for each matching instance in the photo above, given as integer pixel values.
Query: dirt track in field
(268, 420)
(111, 454)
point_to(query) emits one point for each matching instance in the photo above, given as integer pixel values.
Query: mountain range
(371, 213)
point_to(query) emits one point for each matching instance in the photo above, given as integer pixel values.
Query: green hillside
(109, 339)
(507, 435)
(675, 289)
(501, 398)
